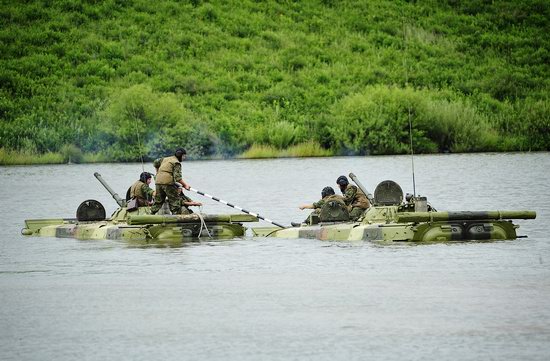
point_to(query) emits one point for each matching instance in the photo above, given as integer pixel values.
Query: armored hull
(372, 228)
(141, 226)
(391, 219)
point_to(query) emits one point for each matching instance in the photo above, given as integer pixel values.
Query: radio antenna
(139, 147)
(405, 65)
(412, 152)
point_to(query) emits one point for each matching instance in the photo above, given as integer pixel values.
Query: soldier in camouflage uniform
(187, 202)
(327, 195)
(354, 198)
(141, 190)
(168, 175)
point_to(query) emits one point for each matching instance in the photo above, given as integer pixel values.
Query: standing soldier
(354, 198)
(141, 190)
(168, 174)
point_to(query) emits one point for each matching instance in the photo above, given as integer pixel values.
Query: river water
(279, 299)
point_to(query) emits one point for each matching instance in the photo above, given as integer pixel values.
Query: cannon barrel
(463, 216)
(361, 187)
(117, 198)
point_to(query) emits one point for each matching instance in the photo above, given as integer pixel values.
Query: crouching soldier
(354, 198)
(327, 196)
(187, 202)
(141, 191)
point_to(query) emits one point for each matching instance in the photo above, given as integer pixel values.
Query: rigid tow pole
(234, 206)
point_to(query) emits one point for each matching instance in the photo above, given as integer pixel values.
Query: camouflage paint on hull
(383, 224)
(118, 227)
(398, 232)
(138, 233)
(104, 230)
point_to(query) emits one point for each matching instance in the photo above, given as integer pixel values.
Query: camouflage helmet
(327, 191)
(342, 180)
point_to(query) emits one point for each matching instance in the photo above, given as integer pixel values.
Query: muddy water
(276, 299)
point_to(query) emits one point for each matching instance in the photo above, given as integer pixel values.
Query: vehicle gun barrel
(367, 193)
(116, 197)
(463, 216)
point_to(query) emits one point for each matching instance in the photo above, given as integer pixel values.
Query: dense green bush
(138, 122)
(381, 119)
(71, 154)
(124, 80)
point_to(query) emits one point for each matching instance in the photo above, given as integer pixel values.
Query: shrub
(308, 149)
(377, 122)
(71, 154)
(279, 134)
(535, 120)
(260, 151)
(137, 117)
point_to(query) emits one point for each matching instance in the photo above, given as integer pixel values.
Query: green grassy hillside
(115, 80)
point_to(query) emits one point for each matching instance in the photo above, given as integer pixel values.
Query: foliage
(382, 120)
(10, 157)
(71, 154)
(121, 81)
(260, 151)
(307, 149)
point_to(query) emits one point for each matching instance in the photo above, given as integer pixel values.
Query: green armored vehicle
(390, 218)
(91, 223)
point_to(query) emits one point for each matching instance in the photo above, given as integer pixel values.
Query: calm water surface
(276, 299)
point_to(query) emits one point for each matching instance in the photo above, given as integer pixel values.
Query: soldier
(141, 190)
(327, 195)
(168, 175)
(187, 202)
(354, 198)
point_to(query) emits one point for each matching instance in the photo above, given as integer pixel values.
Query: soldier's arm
(156, 163)
(177, 176)
(188, 201)
(147, 190)
(349, 195)
(149, 193)
(185, 198)
(192, 203)
(319, 204)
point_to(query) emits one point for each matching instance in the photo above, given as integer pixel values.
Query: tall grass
(10, 157)
(260, 151)
(307, 149)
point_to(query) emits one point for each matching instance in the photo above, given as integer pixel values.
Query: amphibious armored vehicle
(91, 223)
(391, 218)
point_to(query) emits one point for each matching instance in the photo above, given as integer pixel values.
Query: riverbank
(74, 155)
(305, 150)
(12, 157)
